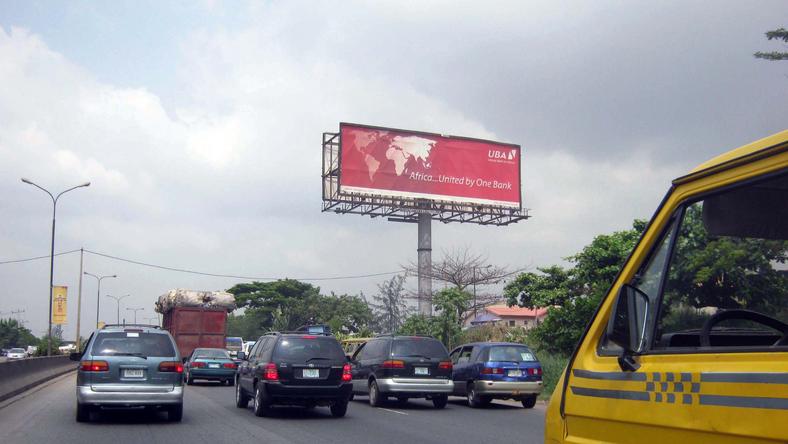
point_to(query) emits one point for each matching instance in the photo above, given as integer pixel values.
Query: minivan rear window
(306, 349)
(511, 353)
(418, 347)
(125, 343)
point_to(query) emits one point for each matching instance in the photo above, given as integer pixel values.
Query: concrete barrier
(19, 375)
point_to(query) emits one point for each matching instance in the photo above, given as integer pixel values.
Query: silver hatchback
(129, 366)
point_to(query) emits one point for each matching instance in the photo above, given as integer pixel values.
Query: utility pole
(79, 295)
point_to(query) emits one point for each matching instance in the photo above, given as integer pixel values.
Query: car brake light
(171, 367)
(309, 337)
(535, 371)
(445, 365)
(198, 364)
(346, 376)
(94, 366)
(271, 373)
(492, 371)
(392, 363)
(229, 365)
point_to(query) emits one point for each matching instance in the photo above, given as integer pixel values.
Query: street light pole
(52, 253)
(118, 299)
(98, 292)
(135, 310)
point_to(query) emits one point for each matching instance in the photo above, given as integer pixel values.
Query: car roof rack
(130, 325)
(297, 332)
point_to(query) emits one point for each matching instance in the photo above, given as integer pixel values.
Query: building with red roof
(501, 314)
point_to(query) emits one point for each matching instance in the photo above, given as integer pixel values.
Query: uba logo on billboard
(397, 163)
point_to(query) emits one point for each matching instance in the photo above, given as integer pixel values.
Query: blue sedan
(213, 364)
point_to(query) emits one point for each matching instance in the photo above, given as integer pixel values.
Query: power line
(15, 261)
(232, 276)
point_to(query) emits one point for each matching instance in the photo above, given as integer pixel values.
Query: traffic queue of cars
(134, 366)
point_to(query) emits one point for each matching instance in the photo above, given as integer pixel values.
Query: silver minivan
(129, 366)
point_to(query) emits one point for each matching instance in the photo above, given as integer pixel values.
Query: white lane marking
(394, 411)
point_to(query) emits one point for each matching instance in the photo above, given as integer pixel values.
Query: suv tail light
(492, 371)
(445, 365)
(229, 365)
(392, 363)
(271, 373)
(94, 366)
(171, 367)
(198, 364)
(346, 376)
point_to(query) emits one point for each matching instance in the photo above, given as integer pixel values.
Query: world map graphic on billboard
(398, 163)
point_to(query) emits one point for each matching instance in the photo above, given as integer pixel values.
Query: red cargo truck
(194, 327)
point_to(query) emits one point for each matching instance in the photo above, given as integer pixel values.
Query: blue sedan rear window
(511, 353)
(123, 343)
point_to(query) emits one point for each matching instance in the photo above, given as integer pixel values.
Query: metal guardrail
(17, 376)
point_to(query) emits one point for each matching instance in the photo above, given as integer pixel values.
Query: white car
(17, 353)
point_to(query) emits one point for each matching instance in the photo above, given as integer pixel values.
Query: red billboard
(397, 163)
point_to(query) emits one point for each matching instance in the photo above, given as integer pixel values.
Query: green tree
(572, 294)
(289, 302)
(389, 306)
(14, 334)
(777, 34)
(417, 324)
(345, 313)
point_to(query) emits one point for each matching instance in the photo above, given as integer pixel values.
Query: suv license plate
(421, 371)
(132, 373)
(311, 373)
(515, 373)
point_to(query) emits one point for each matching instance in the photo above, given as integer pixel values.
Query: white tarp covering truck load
(196, 318)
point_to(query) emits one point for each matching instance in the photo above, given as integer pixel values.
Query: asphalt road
(46, 415)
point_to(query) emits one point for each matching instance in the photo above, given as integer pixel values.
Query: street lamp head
(27, 181)
(86, 184)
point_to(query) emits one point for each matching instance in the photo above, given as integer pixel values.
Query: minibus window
(727, 281)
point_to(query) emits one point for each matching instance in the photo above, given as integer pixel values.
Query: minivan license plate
(421, 371)
(311, 373)
(128, 373)
(515, 373)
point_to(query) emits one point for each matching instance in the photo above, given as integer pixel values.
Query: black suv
(403, 367)
(299, 369)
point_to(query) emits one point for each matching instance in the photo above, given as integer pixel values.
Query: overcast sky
(199, 126)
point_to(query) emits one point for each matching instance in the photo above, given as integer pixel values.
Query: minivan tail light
(271, 373)
(229, 365)
(94, 366)
(492, 371)
(445, 365)
(171, 367)
(346, 376)
(393, 363)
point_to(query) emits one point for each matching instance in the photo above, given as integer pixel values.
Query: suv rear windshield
(132, 343)
(418, 347)
(308, 349)
(511, 353)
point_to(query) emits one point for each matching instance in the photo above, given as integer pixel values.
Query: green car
(212, 364)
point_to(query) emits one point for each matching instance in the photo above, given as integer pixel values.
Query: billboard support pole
(425, 263)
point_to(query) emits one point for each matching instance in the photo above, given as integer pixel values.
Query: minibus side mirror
(627, 325)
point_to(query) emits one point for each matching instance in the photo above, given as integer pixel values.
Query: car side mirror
(241, 356)
(75, 356)
(627, 325)
(184, 360)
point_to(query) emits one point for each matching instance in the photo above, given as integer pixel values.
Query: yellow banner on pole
(59, 299)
